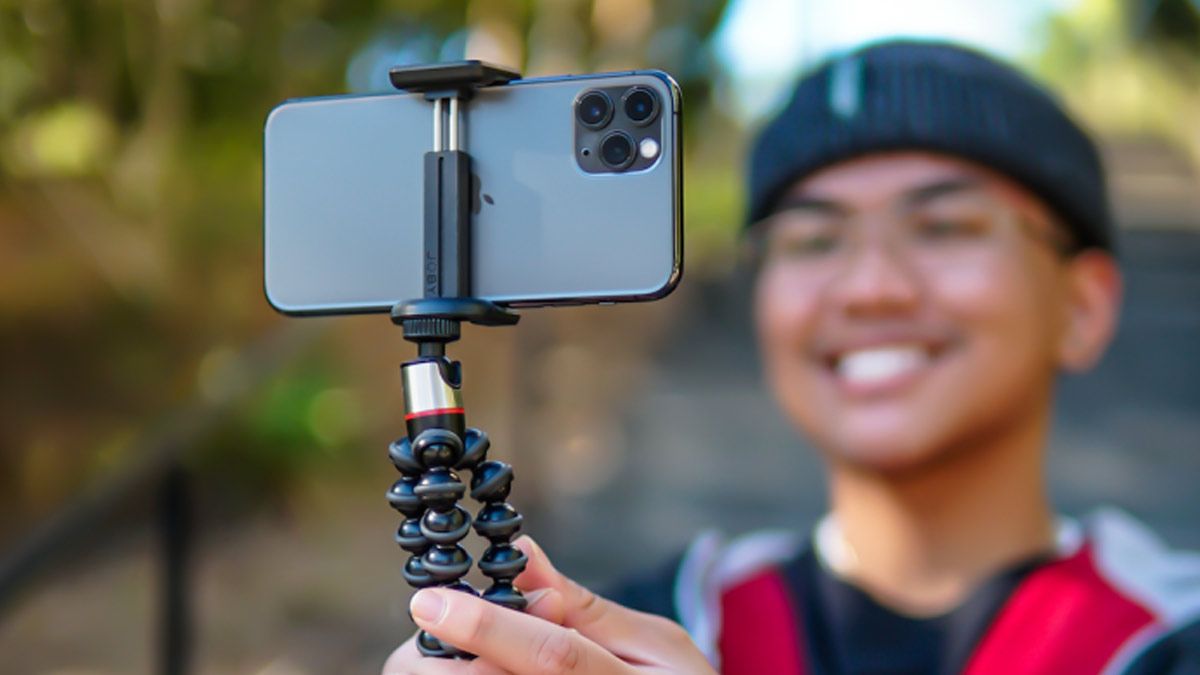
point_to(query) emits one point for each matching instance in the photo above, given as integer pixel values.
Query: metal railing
(155, 464)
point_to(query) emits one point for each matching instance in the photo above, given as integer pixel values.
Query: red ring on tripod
(434, 411)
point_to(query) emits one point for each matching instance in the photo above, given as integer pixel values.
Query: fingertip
(538, 571)
(527, 545)
(538, 561)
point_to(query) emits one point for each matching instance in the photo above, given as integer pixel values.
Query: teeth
(880, 363)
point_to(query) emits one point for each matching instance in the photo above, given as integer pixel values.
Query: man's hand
(566, 629)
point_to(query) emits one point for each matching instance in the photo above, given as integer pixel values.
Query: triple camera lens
(641, 105)
(595, 109)
(615, 126)
(617, 150)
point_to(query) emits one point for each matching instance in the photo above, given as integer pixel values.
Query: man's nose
(876, 279)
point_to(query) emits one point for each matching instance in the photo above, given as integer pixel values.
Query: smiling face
(911, 304)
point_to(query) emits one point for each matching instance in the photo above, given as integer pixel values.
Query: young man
(935, 245)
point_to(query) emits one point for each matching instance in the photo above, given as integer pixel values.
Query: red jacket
(1113, 600)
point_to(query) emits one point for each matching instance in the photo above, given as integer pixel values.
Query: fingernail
(534, 549)
(427, 606)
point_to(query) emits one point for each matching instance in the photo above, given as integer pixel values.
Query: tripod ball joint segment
(439, 446)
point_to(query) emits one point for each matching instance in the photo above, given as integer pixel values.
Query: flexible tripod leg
(498, 521)
(427, 494)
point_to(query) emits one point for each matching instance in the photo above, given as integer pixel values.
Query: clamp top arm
(457, 79)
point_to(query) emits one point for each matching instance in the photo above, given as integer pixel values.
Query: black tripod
(439, 444)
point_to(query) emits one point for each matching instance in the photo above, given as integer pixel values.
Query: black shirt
(849, 632)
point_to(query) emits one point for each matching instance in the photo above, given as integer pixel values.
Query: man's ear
(1094, 289)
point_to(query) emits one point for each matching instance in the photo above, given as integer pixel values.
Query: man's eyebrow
(911, 198)
(930, 191)
(803, 203)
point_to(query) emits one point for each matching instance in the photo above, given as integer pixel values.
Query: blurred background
(147, 388)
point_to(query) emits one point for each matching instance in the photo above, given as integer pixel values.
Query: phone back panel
(343, 201)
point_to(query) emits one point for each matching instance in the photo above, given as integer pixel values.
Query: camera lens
(641, 105)
(616, 150)
(594, 109)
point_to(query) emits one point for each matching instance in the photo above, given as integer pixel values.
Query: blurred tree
(1129, 68)
(1172, 23)
(130, 208)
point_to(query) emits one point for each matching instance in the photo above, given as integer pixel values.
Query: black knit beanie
(909, 95)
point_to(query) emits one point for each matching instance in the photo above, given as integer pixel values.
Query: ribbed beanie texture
(910, 95)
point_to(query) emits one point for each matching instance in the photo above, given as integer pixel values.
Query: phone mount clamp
(439, 443)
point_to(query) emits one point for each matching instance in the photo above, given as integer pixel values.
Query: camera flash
(648, 148)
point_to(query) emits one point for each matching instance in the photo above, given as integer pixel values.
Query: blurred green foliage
(1129, 68)
(130, 190)
(130, 207)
